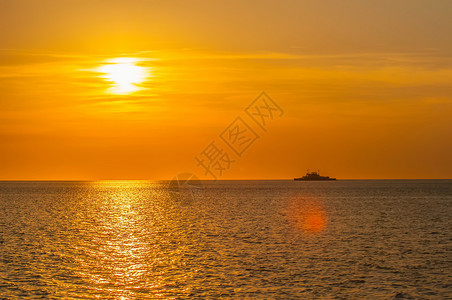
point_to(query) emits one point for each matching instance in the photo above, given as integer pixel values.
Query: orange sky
(366, 87)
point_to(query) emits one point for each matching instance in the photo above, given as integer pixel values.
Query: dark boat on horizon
(313, 176)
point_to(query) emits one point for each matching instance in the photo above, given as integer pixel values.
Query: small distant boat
(314, 176)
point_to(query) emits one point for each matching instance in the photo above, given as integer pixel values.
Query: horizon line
(213, 180)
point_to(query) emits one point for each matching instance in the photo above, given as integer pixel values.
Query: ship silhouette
(314, 176)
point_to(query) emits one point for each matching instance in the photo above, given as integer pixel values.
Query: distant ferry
(314, 176)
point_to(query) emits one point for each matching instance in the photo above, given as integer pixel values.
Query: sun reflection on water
(122, 257)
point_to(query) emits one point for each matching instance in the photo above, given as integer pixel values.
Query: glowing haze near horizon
(366, 87)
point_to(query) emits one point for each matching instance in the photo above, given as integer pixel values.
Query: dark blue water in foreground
(231, 239)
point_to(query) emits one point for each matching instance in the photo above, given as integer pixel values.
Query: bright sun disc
(124, 74)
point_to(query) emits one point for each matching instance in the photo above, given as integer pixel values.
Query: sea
(281, 239)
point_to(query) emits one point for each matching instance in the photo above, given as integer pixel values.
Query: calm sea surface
(231, 239)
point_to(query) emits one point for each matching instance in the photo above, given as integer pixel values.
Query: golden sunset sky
(137, 89)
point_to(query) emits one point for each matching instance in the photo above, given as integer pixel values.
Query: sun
(124, 74)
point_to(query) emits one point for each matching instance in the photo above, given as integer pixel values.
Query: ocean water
(231, 239)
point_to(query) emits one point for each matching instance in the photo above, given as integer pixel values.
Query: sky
(104, 90)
